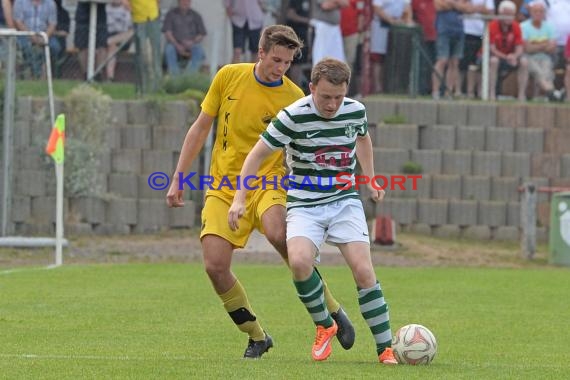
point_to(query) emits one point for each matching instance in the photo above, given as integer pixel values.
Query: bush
(412, 167)
(182, 83)
(395, 119)
(88, 115)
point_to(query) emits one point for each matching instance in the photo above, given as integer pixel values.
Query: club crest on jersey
(350, 129)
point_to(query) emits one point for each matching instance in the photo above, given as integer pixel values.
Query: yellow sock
(240, 311)
(332, 303)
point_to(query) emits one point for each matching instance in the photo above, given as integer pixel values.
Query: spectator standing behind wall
(298, 17)
(62, 27)
(184, 30)
(386, 14)
(540, 45)
(6, 20)
(272, 12)
(567, 75)
(36, 16)
(148, 57)
(81, 37)
(558, 14)
(120, 30)
(423, 12)
(247, 19)
(352, 26)
(505, 38)
(473, 30)
(325, 19)
(449, 45)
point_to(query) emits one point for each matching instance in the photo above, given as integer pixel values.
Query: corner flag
(55, 145)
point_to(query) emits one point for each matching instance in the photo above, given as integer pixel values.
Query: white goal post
(8, 37)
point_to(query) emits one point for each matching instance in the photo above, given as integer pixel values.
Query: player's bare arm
(193, 143)
(364, 153)
(250, 166)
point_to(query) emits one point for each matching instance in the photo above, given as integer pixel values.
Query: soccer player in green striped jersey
(324, 134)
(244, 98)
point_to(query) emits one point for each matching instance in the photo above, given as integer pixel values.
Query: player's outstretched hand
(376, 193)
(236, 211)
(175, 196)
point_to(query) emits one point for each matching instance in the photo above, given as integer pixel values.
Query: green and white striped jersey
(320, 152)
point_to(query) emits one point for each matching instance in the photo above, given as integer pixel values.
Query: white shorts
(336, 223)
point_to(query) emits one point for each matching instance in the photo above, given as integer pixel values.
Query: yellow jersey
(244, 107)
(144, 10)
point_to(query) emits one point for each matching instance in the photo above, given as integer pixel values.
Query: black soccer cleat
(255, 349)
(345, 333)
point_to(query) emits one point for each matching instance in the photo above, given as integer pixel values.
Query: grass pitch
(163, 321)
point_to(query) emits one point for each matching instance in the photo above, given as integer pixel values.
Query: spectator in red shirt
(507, 50)
(423, 12)
(351, 26)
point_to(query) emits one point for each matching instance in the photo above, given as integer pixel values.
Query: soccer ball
(414, 344)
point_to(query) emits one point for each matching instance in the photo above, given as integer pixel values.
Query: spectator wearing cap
(539, 46)
(505, 37)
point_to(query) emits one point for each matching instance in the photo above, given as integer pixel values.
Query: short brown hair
(281, 35)
(333, 70)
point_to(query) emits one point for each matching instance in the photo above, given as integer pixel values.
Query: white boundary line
(94, 357)
(18, 270)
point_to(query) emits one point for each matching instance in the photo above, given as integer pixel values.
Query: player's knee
(276, 236)
(300, 266)
(215, 271)
(364, 277)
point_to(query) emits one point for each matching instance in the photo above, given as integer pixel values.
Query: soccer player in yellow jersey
(244, 98)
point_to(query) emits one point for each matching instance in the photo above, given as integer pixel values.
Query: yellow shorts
(215, 214)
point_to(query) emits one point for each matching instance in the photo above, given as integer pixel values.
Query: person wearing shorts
(245, 97)
(81, 37)
(506, 42)
(448, 45)
(247, 20)
(324, 134)
(474, 29)
(540, 45)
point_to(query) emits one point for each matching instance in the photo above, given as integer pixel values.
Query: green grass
(142, 321)
(121, 91)
(61, 88)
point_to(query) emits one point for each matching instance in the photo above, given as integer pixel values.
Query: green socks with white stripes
(310, 292)
(375, 311)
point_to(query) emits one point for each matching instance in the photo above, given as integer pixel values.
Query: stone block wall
(141, 139)
(475, 156)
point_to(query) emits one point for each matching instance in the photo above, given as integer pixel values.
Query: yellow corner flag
(55, 145)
